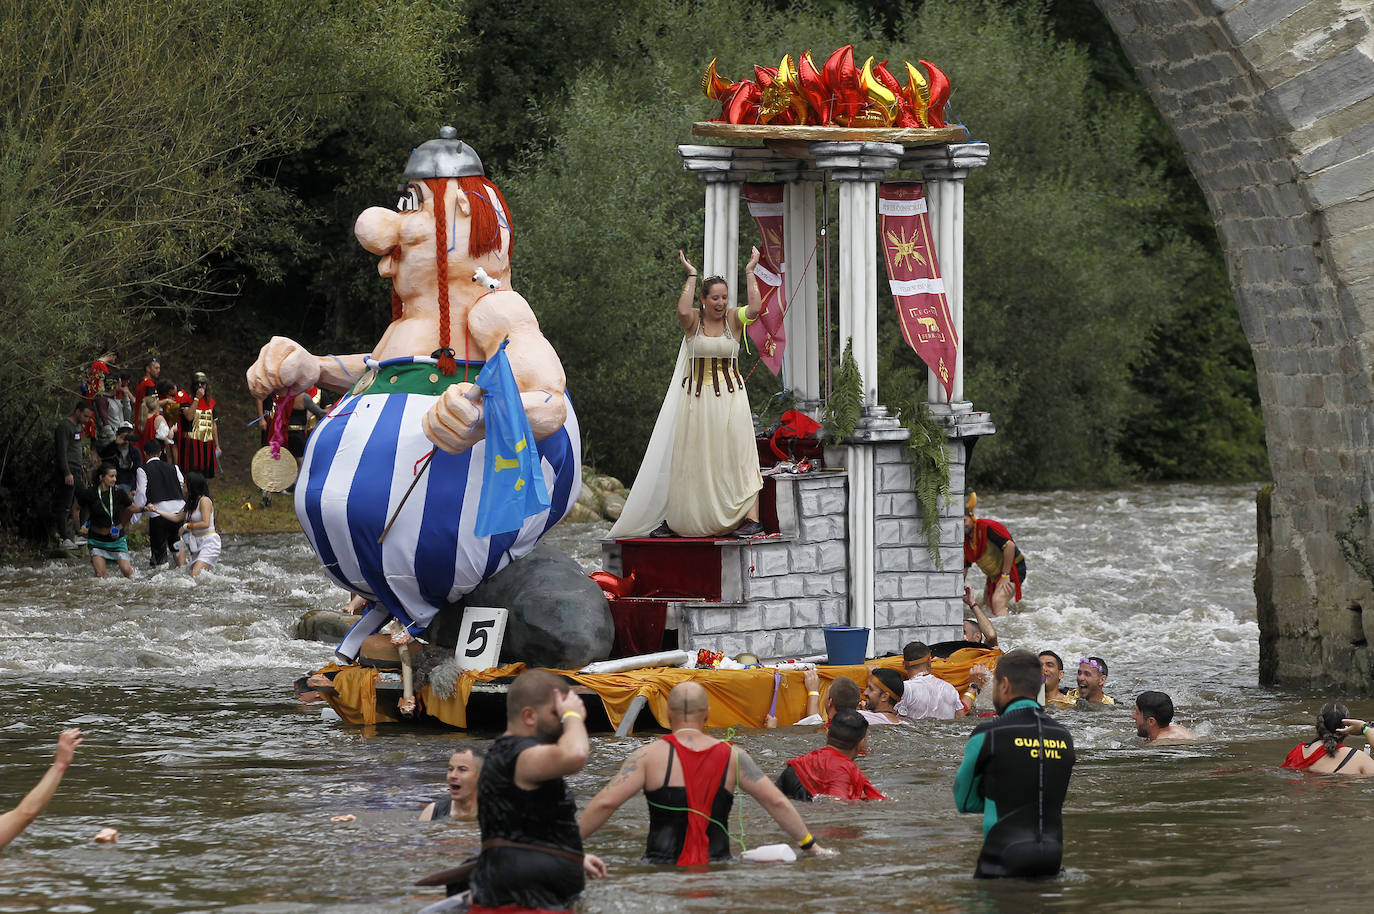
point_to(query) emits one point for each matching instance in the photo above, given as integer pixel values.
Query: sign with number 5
(480, 637)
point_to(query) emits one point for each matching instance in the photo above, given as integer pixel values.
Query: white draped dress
(701, 469)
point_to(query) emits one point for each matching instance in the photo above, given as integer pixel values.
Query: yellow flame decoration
(879, 95)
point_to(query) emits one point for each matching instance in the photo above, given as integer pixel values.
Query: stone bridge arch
(1273, 103)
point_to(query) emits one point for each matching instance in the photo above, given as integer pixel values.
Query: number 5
(477, 638)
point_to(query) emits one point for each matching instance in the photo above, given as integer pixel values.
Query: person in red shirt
(198, 430)
(148, 386)
(989, 545)
(830, 770)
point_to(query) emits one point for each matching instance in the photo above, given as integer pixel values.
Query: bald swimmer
(689, 770)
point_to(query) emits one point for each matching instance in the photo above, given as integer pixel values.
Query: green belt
(413, 379)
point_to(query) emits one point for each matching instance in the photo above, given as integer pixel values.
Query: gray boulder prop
(558, 616)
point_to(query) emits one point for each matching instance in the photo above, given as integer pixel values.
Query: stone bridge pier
(1273, 103)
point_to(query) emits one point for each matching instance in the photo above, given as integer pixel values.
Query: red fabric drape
(913, 274)
(767, 332)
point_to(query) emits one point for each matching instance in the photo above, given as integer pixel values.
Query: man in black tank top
(531, 851)
(688, 779)
(1016, 771)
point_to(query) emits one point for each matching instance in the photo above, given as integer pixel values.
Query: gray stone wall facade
(1273, 104)
(777, 593)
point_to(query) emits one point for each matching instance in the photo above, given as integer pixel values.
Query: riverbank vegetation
(181, 178)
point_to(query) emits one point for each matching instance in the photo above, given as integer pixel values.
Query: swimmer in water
(22, 816)
(1092, 677)
(1325, 754)
(1052, 670)
(885, 689)
(464, 768)
(1153, 713)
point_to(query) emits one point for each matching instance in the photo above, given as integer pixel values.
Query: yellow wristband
(812, 692)
(567, 714)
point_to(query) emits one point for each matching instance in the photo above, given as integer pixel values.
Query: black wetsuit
(792, 787)
(668, 819)
(1016, 771)
(545, 816)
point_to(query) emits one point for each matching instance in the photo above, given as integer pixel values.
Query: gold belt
(718, 370)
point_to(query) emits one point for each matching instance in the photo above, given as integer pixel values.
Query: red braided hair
(447, 363)
(396, 307)
(484, 228)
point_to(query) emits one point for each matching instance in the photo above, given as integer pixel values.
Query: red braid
(447, 363)
(484, 228)
(396, 306)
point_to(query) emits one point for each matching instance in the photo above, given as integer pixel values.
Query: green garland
(845, 406)
(929, 454)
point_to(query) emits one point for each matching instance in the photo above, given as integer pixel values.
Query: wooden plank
(907, 136)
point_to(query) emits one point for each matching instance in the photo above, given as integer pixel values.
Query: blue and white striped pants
(359, 463)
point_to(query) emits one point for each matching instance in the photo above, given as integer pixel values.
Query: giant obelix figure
(410, 395)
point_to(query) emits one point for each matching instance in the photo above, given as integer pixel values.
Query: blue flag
(513, 486)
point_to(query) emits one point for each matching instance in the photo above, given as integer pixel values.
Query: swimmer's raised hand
(1352, 727)
(67, 742)
(569, 702)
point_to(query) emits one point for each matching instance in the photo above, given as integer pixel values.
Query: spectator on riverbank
(464, 771)
(1326, 754)
(1153, 713)
(22, 816)
(1015, 771)
(69, 452)
(830, 771)
(1092, 679)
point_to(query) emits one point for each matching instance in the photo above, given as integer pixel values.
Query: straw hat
(273, 474)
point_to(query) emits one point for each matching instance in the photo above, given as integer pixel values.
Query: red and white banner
(913, 274)
(765, 205)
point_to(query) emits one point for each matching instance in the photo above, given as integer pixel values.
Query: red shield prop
(765, 205)
(913, 274)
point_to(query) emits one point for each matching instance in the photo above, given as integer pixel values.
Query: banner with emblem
(765, 205)
(913, 274)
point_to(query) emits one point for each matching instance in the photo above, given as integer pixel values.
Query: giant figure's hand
(454, 423)
(282, 365)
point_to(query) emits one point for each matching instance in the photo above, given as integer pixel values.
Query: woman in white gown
(700, 475)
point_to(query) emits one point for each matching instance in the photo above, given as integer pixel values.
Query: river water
(222, 786)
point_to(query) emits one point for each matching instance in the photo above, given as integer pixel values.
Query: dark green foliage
(928, 449)
(131, 134)
(845, 407)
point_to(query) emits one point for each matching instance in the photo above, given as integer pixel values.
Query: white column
(857, 168)
(720, 245)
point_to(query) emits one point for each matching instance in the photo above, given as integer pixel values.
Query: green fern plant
(845, 406)
(929, 456)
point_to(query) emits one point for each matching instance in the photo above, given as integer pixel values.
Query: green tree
(130, 136)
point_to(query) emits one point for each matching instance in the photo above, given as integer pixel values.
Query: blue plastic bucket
(845, 645)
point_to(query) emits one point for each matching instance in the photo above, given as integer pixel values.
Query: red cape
(827, 771)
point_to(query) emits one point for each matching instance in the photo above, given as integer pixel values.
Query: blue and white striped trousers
(358, 464)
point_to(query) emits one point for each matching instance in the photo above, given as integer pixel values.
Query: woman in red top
(1325, 754)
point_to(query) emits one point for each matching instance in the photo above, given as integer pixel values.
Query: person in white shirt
(161, 489)
(924, 694)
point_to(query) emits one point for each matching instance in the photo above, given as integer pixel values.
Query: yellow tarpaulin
(739, 698)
